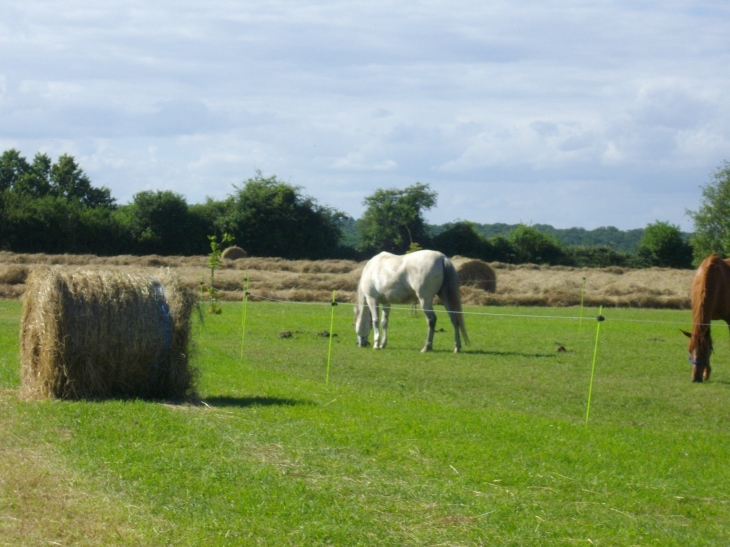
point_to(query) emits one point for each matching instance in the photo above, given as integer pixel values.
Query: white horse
(391, 279)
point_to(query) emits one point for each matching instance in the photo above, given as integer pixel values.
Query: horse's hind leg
(457, 338)
(427, 307)
(384, 325)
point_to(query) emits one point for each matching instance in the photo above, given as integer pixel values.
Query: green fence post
(600, 318)
(243, 312)
(332, 326)
(582, 293)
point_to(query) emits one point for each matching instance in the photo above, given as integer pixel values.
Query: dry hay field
(309, 280)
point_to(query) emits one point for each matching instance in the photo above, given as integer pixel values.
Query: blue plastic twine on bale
(166, 319)
(166, 315)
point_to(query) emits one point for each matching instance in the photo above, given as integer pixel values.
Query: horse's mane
(708, 275)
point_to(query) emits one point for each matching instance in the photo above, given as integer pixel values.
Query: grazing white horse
(391, 279)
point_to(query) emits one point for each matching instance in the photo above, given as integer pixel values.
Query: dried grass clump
(98, 334)
(234, 253)
(14, 274)
(475, 273)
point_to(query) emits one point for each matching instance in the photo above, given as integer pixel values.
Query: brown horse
(710, 300)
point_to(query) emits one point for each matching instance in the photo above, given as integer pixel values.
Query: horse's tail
(451, 296)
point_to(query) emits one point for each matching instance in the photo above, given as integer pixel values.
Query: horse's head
(700, 349)
(363, 323)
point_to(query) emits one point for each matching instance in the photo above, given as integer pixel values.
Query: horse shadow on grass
(509, 354)
(722, 382)
(245, 402)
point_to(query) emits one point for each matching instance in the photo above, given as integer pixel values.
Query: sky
(570, 113)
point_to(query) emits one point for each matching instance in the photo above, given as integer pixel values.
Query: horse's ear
(687, 334)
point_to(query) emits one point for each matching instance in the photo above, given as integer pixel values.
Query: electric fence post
(243, 312)
(600, 319)
(332, 326)
(582, 293)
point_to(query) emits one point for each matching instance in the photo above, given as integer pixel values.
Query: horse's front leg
(427, 307)
(384, 325)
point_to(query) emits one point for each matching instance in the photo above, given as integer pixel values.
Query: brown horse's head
(700, 349)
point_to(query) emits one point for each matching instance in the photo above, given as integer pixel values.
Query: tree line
(53, 207)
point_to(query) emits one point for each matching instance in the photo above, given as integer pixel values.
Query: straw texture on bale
(475, 273)
(234, 253)
(99, 334)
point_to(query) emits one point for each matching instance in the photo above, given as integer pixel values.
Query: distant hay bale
(98, 334)
(475, 273)
(234, 253)
(14, 274)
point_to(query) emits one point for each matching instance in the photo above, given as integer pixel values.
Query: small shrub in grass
(214, 262)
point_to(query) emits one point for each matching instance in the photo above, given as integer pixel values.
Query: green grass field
(488, 447)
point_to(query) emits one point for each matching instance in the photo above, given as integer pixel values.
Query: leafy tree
(36, 182)
(394, 218)
(70, 182)
(663, 245)
(51, 224)
(47, 207)
(159, 223)
(350, 233)
(12, 167)
(21, 177)
(461, 238)
(531, 245)
(712, 219)
(63, 179)
(269, 217)
(502, 250)
(596, 256)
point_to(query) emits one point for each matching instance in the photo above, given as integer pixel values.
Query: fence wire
(496, 314)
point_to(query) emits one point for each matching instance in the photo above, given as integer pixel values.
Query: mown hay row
(156, 261)
(96, 334)
(14, 274)
(524, 284)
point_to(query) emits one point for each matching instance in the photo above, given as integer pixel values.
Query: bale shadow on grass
(243, 402)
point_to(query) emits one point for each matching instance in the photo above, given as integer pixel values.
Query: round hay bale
(14, 274)
(99, 334)
(476, 273)
(234, 253)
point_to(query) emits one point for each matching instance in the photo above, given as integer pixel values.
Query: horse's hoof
(426, 349)
(457, 350)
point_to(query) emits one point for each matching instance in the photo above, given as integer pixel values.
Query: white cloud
(343, 98)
